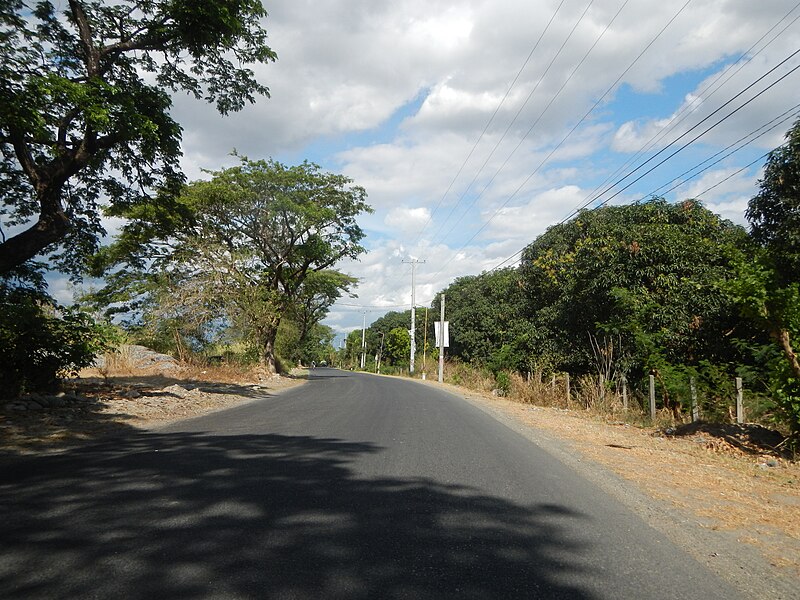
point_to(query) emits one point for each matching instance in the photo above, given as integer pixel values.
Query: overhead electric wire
(735, 173)
(681, 115)
(666, 130)
(516, 116)
(694, 139)
(767, 127)
(771, 125)
(489, 122)
(585, 116)
(536, 122)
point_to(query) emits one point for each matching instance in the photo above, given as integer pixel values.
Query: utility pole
(412, 332)
(364, 341)
(441, 342)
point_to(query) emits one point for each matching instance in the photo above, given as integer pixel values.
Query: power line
(538, 119)
(585, 116)
(666, 130)
(768, 127)
(516, 116)
(489, 122)
(681, 115)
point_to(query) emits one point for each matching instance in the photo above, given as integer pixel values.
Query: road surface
(351, 486)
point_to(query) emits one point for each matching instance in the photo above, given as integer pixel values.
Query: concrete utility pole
(441, 342)
(413, 262)
(364, 341)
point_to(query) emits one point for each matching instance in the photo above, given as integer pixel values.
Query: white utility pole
(413, 262)
(441, 342)
(364, 341)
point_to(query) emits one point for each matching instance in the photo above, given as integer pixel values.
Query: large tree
(259, 243)
(768, 286)
(84, 108)
(648, 273)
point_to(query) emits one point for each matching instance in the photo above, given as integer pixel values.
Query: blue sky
(396, 95)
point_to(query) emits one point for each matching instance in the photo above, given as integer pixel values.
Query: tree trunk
(783, 338)
(25, 245)
(268, 349)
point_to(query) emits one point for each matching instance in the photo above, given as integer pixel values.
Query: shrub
(42, 342)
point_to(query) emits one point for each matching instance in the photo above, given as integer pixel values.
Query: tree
(649, 273)
(84, 109)
(397, 346)
(774, 213)
(314, 298)
(40, 341)
(768, 286)
(485, 314)
(260, 241)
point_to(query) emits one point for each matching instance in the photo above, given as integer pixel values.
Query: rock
(177, 390)
(130, 394)
(33, 405)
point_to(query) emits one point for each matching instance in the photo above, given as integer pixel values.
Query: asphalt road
(351, 486)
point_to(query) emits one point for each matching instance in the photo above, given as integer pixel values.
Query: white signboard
(437, 327)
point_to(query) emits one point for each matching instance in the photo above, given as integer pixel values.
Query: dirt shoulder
(98, 405)
(734, 505)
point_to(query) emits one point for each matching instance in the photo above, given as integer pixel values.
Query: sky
(474, 125)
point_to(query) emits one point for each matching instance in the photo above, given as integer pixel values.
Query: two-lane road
(351, 486)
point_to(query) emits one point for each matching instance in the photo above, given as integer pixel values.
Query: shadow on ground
(92, 411)
(191, 515)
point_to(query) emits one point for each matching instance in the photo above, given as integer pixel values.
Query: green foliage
(42, 342)
(486, 314)
(503, 381)
(774, 213)
(648, 273)
(768, 284)
(259, 247)
(397, 346)
(85, 109)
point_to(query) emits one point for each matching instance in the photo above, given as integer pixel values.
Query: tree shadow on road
(179, 515)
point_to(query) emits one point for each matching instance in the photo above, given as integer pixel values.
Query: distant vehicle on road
(323, 363)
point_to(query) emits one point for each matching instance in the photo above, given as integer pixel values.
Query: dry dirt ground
(736, 499)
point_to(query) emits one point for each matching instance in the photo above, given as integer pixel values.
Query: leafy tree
(768, 286)
(774, 213)
(314, 298)
(84, 109)
(257, 234)
(648, 273)
(397, 346)
(485, 314)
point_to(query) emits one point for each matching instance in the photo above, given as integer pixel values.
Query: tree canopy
(258, 243)
(85, 109)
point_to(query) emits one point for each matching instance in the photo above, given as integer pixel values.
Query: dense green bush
(42, 342)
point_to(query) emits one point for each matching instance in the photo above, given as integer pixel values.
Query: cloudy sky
(476, 124)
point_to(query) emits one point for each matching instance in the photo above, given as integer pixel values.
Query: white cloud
(404, 220)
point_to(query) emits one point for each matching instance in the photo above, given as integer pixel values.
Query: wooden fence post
(739, 401)
(695, 407)
(566, 381)
(652, 397)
